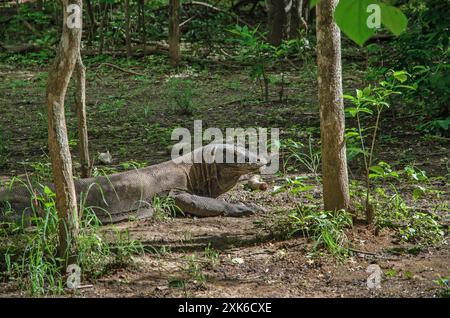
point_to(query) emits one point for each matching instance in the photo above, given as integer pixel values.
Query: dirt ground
(270, 268)
(250, 262)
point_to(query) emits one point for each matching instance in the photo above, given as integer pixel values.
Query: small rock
(238, 261)
(280, 254)
(105, 158)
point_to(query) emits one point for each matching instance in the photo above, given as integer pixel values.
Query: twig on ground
(121, 69)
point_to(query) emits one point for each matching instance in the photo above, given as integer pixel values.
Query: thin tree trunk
(92, 19)
(102, 28)
(174, 32)
(58, 81)
(306, 12)
(80, 104)
(127, 28)
(296, 20)
(277, 19)
(332, 125)
(142, 19)
(56, 6)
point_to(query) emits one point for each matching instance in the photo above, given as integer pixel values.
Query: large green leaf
(393, 19)
(351, 17)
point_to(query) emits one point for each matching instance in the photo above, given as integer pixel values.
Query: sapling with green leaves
(254, 49)
(371, 102)
(262, 56)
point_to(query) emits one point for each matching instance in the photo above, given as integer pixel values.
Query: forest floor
(132, 116)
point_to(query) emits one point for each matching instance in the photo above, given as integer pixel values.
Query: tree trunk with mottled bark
(58, 81)
(332, 125)
(276, 21)
(174, 32)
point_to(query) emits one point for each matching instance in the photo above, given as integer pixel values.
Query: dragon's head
(239, 160)
(221, 167)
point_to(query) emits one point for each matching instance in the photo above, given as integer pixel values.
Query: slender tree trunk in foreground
(58, 81)
(174, 32)
(332, 125)
(80, 104)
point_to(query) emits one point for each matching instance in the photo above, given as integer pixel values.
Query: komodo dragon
(193, 186)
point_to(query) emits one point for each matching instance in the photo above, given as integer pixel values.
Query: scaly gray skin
(194, 187)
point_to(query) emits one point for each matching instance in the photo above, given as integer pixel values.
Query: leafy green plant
(211, 254)
(164, 207)
(390, 273)
(383, 171)
(412, 226)
(180, 92)
(392, 208)
(444, 286)
(280, 57)
(293, 186)
(254, 49)
(193, 269)
(124, 248)
(326, 229)
(262, 57)
(29, 255)
(415, 174)
(423, 228)
(177, 283)
(34, 262)
(369, 102)
(424, 52)
(42, 171)
(309, 158)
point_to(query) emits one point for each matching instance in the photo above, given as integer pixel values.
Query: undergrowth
(325, 228)
(28, 250)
